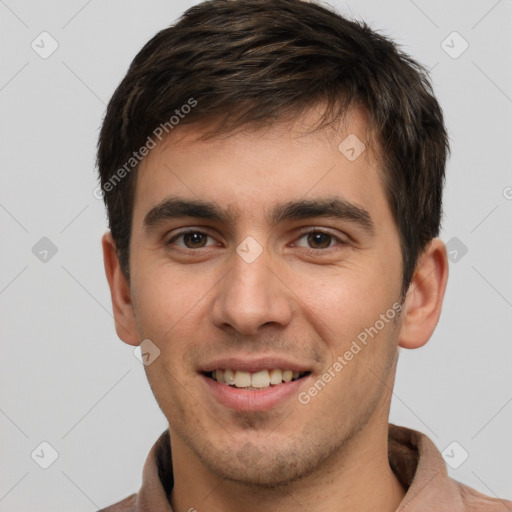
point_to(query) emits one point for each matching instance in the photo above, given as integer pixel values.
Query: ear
(424, 298)
(122, 306)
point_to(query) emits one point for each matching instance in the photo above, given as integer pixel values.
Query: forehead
(251, 170)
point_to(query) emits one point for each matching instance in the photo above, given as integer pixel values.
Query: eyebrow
(332, 207)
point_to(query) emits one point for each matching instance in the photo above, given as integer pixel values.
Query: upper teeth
(262, 379)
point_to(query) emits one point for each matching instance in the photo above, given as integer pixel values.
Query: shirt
(413, 457)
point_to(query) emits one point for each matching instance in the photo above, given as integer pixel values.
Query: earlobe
(122, 306)
(424, 299)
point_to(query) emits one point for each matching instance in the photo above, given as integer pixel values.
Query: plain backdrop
(65, 377)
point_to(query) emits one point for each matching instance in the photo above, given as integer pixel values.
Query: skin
(295, 301)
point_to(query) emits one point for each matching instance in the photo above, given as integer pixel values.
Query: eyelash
(335, 238)
(187, 232)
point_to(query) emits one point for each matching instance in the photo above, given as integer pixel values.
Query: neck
(358, 478)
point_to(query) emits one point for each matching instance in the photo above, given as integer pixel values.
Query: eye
(317, 240)
(192, 240)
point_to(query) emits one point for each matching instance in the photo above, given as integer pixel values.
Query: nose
(250, 296)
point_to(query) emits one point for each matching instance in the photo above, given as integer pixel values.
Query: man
(273, 177)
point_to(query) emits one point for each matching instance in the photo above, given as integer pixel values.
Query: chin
(265, 472)
(263, 466)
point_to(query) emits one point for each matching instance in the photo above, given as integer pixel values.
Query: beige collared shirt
(414, 458)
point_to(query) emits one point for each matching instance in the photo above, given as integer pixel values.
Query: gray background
(65, 376)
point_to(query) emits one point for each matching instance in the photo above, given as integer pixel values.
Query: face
(261, 251)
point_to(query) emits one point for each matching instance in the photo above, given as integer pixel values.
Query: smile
(256, 380)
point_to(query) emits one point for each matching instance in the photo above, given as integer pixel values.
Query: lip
(254, 365)
(254, 400)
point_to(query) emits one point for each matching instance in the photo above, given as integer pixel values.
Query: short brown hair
(257, 61)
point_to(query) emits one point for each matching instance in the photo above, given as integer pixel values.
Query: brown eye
(192, 240)
(319, 240)
(316, 240)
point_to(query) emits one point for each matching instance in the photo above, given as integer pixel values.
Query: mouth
(251, 385)
(255, 381)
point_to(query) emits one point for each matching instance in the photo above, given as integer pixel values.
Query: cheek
(344, 301)
(167, 304)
